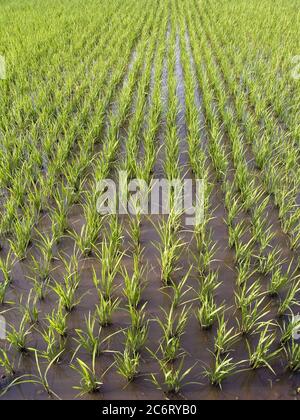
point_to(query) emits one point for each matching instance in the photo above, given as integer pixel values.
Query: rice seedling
(222, 369)
(225, 338)
(248, 294)
(6, 363)
(18, 337)
(170, 246)
(132, 290)
(263, 354)
(288, 329)
(105, 309)
(208, 285)
(290, 299)
(67, 294)
(91, 341)
(180, 290)
(6, 267)
(30, 308)
(55, 346)
(87, 238)
(127, 364)
(268, 263)
(208, 312)
(41, 378)
(4, 285)
(138, 317)
(173, 325)
(136, 338)
(278, 281)
(22, 235)
(173, 377)
(57, 321)
(89, 382)
(252, 317)
(292, 352)
(110, 266)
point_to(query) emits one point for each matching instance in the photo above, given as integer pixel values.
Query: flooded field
(147, 305)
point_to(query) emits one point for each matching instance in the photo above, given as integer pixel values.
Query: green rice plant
(170, 246)
(180, 289)
(139, 271)
(244, 251)
(22, 235)
(41, 378)
(208, 312)
(45, 245)
(67, 294)
(132, 290)
(171, 349)
(208, 285)
(244, 272)
(90, 341)
(278, 282)
(288, 329)
(57, 321)
(55, 347)
(235, 233)
(6, 267)
(205, 256)
(290, 299)
(127, 364)
(233, 210)
(6, 364)
(222, 369)
(248, 294)
(4, 285)
(252, 317)
(226, 337)
(87, 339)
(263, 354)
(173, 325)
(268, 263)
(30, 308)
(138, 317)
(265, 237)
(86, 240)
(135, 229)
(292, 352)
(115, 235)
(89, 383)
(17, 338)
(41, 269)
(136, 338)
(40, 287)
(110, 266)
(173, 377)
(105, 309)
(63, 198)
(71, 265)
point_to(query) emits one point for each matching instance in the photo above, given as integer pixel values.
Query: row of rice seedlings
(23, 243)
(266, 263)
(38, 154)
(266, 151)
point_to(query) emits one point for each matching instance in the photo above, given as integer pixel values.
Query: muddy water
(249, 384)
